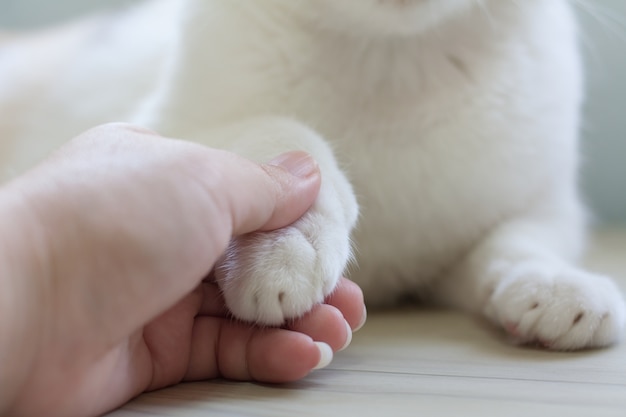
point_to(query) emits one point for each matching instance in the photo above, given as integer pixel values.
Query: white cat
(455, 121)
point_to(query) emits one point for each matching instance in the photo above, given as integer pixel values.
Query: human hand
(116, 233)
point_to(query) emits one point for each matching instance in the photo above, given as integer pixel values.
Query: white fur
(455, 121)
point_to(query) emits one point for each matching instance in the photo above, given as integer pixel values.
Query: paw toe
(268, 278)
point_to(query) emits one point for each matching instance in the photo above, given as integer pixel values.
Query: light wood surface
(426, 362)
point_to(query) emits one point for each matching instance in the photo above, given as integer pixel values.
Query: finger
(251, 197)
(212, 301)
(294, 199)
(237, 351)
(325, 323)
(348, 298)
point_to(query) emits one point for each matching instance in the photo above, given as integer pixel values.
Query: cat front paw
(270, 277)
(556, 306)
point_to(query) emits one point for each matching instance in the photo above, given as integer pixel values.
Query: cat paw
(556, 306)
(270, 277)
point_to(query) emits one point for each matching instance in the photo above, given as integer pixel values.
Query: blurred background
(603, 25)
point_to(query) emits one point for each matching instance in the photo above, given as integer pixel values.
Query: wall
(603, 25)
(38, 12)
(604, 135)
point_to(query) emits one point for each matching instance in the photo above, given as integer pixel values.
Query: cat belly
(428, 196)
(419, 216)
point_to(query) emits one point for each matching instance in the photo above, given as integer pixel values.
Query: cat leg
(519, 278)
(268, 277)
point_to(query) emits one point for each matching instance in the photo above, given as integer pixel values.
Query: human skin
(106, 252)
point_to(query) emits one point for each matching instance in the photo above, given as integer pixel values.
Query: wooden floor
(429, 363)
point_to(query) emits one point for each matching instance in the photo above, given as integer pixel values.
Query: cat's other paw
(270, 277)
(556, 306)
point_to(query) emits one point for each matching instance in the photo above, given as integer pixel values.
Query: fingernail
(363, 320)
(349, 337)
(326, 355)
(298, 163)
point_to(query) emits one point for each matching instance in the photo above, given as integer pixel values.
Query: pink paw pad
(512, 329)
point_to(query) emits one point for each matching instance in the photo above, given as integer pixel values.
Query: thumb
(284, 190)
